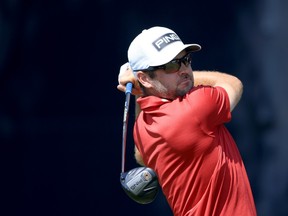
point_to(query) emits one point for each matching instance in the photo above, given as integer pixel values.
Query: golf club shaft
(125, 122)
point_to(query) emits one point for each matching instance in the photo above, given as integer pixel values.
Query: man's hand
(126, 75)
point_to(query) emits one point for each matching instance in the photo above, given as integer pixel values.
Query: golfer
(180, 132)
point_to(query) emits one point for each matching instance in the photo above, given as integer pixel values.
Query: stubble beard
(164, 92)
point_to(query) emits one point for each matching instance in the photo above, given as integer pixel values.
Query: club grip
(129, 86)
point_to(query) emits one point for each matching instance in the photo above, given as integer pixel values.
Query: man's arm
(138, 157)
(231, 84)
(126, 75)
(137, 154)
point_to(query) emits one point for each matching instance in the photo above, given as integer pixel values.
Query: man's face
(172, 85)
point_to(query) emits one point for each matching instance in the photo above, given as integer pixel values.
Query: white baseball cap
(156, 46)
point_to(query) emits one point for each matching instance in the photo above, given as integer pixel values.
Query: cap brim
(193, 47)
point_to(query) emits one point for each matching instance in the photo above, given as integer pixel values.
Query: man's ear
(144, 79)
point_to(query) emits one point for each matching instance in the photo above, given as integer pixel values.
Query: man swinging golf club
(180, 132)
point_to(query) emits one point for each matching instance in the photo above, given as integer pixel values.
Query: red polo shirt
(196, 159)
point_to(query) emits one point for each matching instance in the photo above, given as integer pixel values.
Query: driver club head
(140, 184)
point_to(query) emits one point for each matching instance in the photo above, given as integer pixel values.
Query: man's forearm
(209, 78)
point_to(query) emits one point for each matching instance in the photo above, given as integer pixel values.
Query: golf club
(140, 183)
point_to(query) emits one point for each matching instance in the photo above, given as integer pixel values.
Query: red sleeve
(211, 105)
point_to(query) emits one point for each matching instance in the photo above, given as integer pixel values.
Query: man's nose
(184, 69)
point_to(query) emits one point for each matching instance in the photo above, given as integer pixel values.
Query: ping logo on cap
(165, 40)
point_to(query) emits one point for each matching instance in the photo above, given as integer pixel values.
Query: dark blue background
(61, 114)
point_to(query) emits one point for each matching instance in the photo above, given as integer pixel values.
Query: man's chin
(184, 87)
